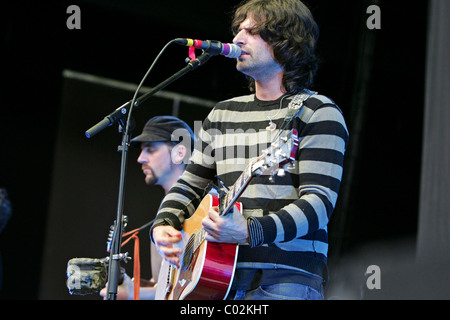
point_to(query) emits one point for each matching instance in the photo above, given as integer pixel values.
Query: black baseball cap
(165, 129)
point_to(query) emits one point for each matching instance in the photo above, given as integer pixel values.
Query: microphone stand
(118, 116)
(122, 111)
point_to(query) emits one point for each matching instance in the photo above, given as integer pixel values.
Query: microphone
(213, 47)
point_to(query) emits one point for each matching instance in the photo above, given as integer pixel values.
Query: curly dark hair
(289, 28)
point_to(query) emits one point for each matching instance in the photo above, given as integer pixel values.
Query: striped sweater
(287, 217)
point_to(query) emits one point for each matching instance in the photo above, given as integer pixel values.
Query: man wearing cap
(166, 144)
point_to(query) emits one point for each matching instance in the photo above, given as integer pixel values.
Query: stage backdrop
(86, 172)
(434, 211)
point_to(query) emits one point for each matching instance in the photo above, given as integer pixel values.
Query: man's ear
(178, 153)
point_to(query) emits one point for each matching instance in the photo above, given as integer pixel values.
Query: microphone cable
(133, 101)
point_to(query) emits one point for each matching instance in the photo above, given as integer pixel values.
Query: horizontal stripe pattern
(294, 210)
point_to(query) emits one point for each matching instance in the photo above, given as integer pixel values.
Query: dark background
(63, 187)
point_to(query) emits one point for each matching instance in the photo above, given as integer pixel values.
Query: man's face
(156, 162)
(257, 59)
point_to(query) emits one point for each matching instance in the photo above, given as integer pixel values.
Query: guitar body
(206, 268)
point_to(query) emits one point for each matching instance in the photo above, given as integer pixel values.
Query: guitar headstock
(111, 232)
(275, 158)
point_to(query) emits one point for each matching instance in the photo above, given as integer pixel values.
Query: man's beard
(152, 179)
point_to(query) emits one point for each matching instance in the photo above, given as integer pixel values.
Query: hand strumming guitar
(230, 228)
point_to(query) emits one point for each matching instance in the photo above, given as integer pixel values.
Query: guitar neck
(238, 187)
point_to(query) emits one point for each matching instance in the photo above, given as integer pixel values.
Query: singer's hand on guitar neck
(230, 228)
(165, 238)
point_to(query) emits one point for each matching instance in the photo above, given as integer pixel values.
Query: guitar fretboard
(239, 186)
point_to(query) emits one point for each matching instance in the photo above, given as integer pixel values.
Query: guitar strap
(295, 105)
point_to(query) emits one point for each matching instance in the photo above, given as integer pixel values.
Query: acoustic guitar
(207, 268)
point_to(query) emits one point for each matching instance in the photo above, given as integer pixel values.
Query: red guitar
(207, 268)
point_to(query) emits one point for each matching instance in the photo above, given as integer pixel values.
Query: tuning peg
(291, 166)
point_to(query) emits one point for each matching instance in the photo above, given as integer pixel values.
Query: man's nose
(239, 38)
(143, 158)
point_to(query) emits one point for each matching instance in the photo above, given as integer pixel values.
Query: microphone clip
(191, 56)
